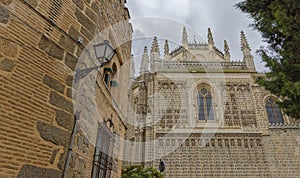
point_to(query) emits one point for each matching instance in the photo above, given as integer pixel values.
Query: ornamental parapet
(240, 65)
(284, 126)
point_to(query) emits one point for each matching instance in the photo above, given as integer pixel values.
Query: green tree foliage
(137, 171)
(279, 23)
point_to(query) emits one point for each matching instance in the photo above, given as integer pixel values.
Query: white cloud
(225, 21)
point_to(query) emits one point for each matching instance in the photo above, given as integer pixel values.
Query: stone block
(33, 171)
(53, 134)
(86, 33)
(51, 48)
(71, 61)
(64, 119)
(60, 102)
(85, 21)
(7, 65)
(4, 15)
(91, 14)
(53, 83)
(79, 4)
(69, 80)
(67, 43)
(69, 92)
(74, 33)
(8, 48)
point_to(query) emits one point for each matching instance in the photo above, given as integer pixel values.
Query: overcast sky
(165, 19)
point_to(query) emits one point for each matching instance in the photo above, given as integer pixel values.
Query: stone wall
(224, 155)
(39, 50)
(238, 143)
(282, 151)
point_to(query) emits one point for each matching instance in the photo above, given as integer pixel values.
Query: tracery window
(274, 112)
(205, 105)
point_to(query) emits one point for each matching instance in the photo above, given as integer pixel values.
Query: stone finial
(184, 38)
(145, 50)
(245, 45)
(226, 50)
(155, 47)
(132, 67)
(145, 61)
(195, 42)
(248, 58)
(210, 37)
(166, 48)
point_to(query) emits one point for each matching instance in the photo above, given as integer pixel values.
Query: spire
(166, 48)
(145, 61)
(184, 38)
(248, 58)
(210, 38)
(245, 45)
(132, 67)
(155, 47)
(226, 50)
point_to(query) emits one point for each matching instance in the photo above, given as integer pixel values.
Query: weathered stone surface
(60, 102)
(79, 4)
(67, 43)
(36, 46)
(74, 33)
(81, 166)
(64, 119)
(69, 92)
(51, 48)
(35, 172)
(54, 153)
(4, 15)
(7, 65)
(86, 33)
(69, 80)
(32, 3)
(53, 134)
(85, 21)
(53, 83)
(71, 61)
(8, 48)
(96, 8)
(91, 14)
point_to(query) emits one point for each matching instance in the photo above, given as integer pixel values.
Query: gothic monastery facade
(204, 115)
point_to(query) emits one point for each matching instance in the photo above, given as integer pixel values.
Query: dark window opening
(205, 105)
(103, 161)
(274, 112)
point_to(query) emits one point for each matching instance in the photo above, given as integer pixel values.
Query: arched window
(205, 105)
(274, 112)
